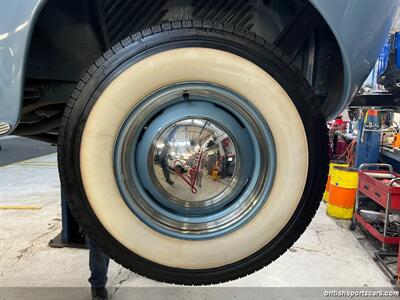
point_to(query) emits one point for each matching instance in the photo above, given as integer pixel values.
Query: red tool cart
(398, 267)
(382, 187)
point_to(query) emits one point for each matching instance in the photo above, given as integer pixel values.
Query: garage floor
(326, 255)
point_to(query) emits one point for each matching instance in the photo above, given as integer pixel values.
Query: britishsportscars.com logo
(360, 293)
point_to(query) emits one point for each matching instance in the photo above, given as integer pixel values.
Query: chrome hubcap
(194, 161)
(187, 150)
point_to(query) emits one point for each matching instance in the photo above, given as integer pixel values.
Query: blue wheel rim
(227, 110)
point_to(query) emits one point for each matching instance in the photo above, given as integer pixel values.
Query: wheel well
(70, 34)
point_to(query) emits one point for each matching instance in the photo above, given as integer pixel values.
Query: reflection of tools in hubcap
(196, 145)
(191, 179)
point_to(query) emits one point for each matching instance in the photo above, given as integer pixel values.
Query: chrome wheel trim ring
(168, 216)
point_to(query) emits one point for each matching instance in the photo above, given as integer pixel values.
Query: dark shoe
(99, 294)
(170, 182)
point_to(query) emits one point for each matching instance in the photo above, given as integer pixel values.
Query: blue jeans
(98, 264)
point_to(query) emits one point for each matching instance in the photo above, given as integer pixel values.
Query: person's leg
(98, 264)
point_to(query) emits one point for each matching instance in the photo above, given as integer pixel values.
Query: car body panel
(360, 27)
(17, 22)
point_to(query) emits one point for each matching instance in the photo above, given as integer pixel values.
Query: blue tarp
(384, 55)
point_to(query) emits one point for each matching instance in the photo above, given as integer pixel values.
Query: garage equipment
(369, 137)
(381, 186)
(386, 195)
(334, 163)
(390, 155)
(342, 192)
(70, 235)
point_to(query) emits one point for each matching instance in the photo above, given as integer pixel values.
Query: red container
(377, 190)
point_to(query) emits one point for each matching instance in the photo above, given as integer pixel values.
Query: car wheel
(201, 91)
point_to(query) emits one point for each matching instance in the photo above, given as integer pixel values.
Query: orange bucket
(342, 192)
(334, 163)
(396, 142)
(342, 197)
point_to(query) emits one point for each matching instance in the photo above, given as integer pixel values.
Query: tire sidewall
(266, 57)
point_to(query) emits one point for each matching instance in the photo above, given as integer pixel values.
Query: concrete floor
(14, 149)
(326, 255)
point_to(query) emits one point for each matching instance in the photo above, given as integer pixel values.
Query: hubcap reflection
(194, 160)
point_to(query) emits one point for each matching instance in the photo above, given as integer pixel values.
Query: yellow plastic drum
(334, 163)
(342, 192)
(214, 174)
